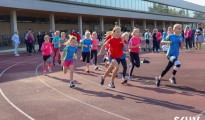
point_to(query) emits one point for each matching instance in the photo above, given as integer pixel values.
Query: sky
(200, 2)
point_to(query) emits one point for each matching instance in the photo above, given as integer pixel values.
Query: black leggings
(86, 56)
(124, 66)
(188, 43)
(135, 61)
(94, 54)
(169, 65)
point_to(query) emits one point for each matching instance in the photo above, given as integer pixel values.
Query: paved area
(28, 94)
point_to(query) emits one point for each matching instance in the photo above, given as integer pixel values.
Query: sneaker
(91, 61)
(88, 71)
(172, 80)
(157, 81)
(111, 85)
(101, 80)
(130, 78)
(123, 81)
(104, 59)
(49, 70)
(54, 63)
(96, 67)
(71, 85)
(44, 73)
(17, 55)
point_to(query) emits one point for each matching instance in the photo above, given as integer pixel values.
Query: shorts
(199, 38)
(117, 59)
(68, 63)
(47, 58)
(147, 41)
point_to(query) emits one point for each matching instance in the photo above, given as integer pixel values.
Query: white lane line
(162, 102)
(18, 109)
(77, 99)
(6, 98)
(201, 114)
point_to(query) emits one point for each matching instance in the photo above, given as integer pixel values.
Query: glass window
(146, 6)
(97, 2)
(79, 0)
(137, 4)
(113, 3)
(126, 4)
(103, 2)
(133, 5)
(117, 3)
(107, 2)
(86, 1)
(92, 1)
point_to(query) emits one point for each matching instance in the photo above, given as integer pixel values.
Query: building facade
(95, 15)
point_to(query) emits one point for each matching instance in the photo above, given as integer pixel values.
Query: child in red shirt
(116, 44)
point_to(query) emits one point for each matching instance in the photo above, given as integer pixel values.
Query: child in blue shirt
(86, 44)
(68, 56)
(174, 42)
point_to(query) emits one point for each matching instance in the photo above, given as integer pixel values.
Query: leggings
(124, 65)
(86, 56)
(135, 61)
(172, 61)
(94, 54)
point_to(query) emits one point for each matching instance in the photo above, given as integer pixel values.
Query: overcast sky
(200, 2)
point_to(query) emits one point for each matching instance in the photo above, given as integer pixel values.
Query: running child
(125, 38)
(134, 46)
(68, 56)
(94, 48)
(86, 44)
(62, 45)
(56, 45)
(46, 49)
(115, 47)
(175, 42)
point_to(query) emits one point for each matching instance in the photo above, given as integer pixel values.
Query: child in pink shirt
(134, 46)
(47, 51)
(94, 49)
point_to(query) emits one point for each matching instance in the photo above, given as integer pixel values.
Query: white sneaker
(17, 55)
(49, 70)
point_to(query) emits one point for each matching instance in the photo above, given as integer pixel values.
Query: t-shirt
(174, 47)
(159, 35)
(56, 40)
(62, 46)
(94, 44)
(87, 42)
(69, 52)
(164, 35)
(134, 42)
(199, 30)
(124, 55)
(146, 36)
(116, 46)
(47, 48)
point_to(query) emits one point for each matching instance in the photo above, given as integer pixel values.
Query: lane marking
(201, 114)
(122, 92)
(13, 105)
(100, 109)
(6, 98)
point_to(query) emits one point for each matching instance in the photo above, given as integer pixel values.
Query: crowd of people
(120, 47)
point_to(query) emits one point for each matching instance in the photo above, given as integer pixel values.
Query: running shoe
(101, 80)
(111, 85)
(157, 81)
(123, 81)
(71, 85)
(173, 80)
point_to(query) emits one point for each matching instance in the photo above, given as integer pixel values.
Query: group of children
(120, 49)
